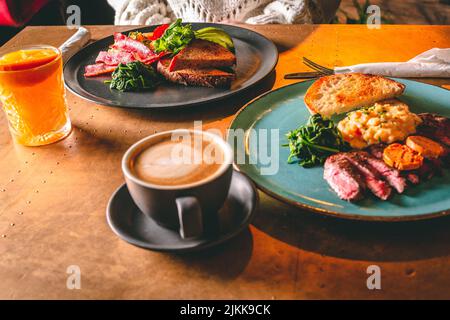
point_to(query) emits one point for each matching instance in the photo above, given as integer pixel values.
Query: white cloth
(136, 12)
(77, 41)
(434, 63)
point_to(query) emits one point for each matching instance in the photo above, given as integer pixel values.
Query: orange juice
(33, 95)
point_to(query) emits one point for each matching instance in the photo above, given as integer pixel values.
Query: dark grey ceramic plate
(256, 57)
(130, 224)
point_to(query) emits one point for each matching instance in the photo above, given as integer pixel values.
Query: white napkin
(434, 63)
(75, 43)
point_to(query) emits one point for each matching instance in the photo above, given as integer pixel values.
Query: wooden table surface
(53, 201)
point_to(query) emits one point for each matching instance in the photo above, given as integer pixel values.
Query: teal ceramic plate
(283, 109)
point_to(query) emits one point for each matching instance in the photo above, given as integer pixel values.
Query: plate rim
(206, 245)
(325, 212)
(101, 101)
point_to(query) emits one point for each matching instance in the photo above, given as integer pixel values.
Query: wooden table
(53, 200)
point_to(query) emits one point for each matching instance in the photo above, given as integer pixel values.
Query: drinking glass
(33, 95)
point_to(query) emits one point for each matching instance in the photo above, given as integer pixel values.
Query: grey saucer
(130, 224)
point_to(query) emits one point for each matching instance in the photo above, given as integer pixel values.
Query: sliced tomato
(159, 31)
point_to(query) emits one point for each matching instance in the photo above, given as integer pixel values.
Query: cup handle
(190, 217)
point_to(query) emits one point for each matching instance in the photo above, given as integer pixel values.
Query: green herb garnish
(178, 36)
(133, 76)
(175, 38)
(314, 142)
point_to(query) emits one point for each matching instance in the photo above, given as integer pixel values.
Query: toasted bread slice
(205, 77)
(202, 54)
(341, 93)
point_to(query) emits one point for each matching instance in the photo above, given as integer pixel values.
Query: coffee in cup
(180, 179)
(176, 162)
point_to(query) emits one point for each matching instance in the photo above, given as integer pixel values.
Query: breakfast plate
(256, 58)
(284, 109)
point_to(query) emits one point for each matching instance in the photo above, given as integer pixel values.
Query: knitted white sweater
(138, 12)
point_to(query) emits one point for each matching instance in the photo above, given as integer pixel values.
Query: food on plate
(174, 39)
(381, 147)
(350, 174)
(343, 178)
(180, 54)
(372, 177)
(205, 77)
(402, 157)
(124, 50)
(340, 93)
(425, 147)
(202, 54)
(384, 122)
(376, 150)
(313, 142)
(435, 127)
(133, 76)
(216, 35)
(391, 175)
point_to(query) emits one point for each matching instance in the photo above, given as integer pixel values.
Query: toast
(341, 93)
(202, 54)
(204, 77)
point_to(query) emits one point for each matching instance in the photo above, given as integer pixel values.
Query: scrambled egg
(385, 122)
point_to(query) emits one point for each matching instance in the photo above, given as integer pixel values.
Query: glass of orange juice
(33, 95)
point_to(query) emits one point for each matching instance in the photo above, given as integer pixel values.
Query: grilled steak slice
(343, 178)
(374, 182)
(391, 175)
(412, 177)
(430, 168)
(213, 78)
(376, 150)
(202, 54)
(435, 127)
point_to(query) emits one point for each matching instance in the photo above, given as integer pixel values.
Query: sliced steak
(435, 127)
(373, 179)
(429, 169)
(412, 177)
(391, 175)
(376, 150)
(343, 178)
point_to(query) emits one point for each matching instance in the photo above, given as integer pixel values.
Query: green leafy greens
(315, 141)
(133, 76)
(175, 38)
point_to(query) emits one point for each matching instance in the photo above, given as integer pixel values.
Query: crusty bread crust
(203, 54)
(341, 93)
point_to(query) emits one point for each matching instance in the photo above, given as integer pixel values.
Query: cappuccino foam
(174, 163)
